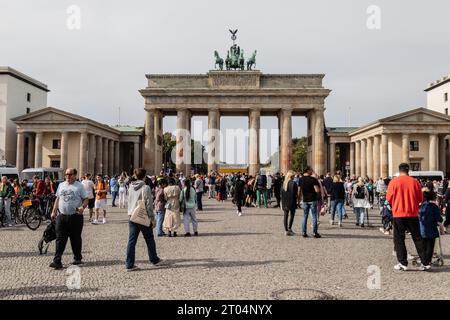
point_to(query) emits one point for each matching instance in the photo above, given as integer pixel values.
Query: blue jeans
(337, 206)
(160, 214)
(359, 212)
(307, 206)
(114, 196)
(147, 232)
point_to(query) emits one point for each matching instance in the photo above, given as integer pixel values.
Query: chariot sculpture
(235, 57)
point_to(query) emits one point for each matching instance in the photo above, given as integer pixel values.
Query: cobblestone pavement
(234, 257)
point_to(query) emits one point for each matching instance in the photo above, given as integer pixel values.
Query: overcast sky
(99, 68)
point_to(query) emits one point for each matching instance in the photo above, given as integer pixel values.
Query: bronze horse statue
(252, 61)
(219, 60)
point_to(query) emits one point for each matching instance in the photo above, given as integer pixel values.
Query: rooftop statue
(235, 59)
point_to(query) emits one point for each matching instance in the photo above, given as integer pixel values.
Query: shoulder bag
(139, 214)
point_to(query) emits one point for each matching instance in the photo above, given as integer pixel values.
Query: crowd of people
(172, 200)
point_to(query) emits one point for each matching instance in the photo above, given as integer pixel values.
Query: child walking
(430, 219)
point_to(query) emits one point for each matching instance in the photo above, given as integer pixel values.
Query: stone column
(187, 170)
(369, 154)
(38, 151)
(405, 148)
(253, 141)
(363, 158)
(158, 141)
(111, 158)
(91, 154)
(213, 147)
(376, 157)
(31, 150)
(384, 156)
(99, 160)
(319, 143)
(105, 157)
(352, 158)
(83, 163)
(433, 152)
(358, 158)
(442, 154)
(286, 140)
(149, 141)
(332, 158)
(64, 150)
(183, 149)
(20, 153)
(117, 168)
(136, 155)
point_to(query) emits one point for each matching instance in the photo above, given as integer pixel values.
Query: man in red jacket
(405, 194)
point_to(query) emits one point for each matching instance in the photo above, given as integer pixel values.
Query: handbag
(139, 214)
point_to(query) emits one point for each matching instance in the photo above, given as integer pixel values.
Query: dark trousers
(428, 245)
(447, 215)
(68, 226)
(401, 225)
(199, 200)
(239, 202)
(291, 215)
(277, 196)
(147, 232)
(114, 196)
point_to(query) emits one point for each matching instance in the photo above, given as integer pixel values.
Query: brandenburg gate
(235, 92)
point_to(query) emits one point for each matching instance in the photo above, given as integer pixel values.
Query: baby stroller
(386, 218)
(48, 236)
(438, 257)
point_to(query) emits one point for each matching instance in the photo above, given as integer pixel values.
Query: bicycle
(33, 215)
(17, 211)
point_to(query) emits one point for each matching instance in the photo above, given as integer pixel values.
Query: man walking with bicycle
(71, 201)
(6, 193)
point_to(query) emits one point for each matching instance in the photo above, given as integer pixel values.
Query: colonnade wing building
(49, 137)
(417, 137)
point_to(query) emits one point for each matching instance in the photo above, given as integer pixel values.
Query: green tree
(299, 153)
(169, 143)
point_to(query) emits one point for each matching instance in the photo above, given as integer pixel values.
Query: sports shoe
(56, 266)
(133, 268)
(286, 233)
(77, 262)
(317, 236)
(104, 220)
(382, 230)
(95, 221)
(331, 223)
(237, 212)
(340, 224)
(304, 235)
(387, 233)
(424, 268)
(160, 263)
(240, 214)
(291, 232)
(400, 267)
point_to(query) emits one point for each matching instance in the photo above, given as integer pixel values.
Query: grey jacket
(134, 195)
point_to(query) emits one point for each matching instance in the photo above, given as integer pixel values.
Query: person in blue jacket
(429, 218)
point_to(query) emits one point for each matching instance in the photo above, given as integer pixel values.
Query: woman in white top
(89, 187)
(122, 189)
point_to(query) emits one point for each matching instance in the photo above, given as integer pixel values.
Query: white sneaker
(424, 268)
(410, 257)
(387, 233)
(400, 267)
(95, 221)
(240, 214)
(382, 230)
(10, 225)
(104, 220)
(340, 225)
(237, 212)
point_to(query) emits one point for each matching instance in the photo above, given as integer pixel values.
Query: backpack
(48, 236)
(360, 192)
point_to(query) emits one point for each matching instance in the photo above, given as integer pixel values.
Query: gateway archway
(221, 93)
